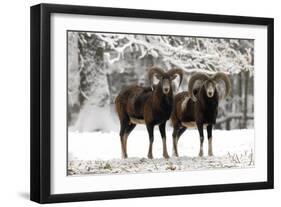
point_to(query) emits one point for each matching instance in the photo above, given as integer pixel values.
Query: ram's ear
(176, 82)
(154, 81)
(155, 72)
(174, 73)
(220, 88)
(157, 76)
(175, 87)
(219, 76)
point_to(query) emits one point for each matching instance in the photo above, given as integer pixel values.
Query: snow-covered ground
(100, 153)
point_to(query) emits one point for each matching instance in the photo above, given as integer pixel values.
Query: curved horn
(193, 79)
(222, 76)
(154, 71)
(177, 71)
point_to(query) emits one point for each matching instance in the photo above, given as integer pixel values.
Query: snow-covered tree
(73, 75)
(108, 61)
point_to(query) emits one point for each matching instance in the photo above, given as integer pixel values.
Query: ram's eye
(173, 77)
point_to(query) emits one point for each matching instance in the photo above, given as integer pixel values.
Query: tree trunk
(240, 82)
(93, 80)
(100, 94)
(111, 98)
(245, 110)
(73, 77)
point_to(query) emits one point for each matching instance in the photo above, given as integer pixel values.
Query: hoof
(150, 156)
(175, 155)
(210, 154)
(200, 154)
(166, 156)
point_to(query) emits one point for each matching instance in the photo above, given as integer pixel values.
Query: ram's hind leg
(180, 132)
(125, 128)
(124, 123)
(123, 137)
(128, 130)
(163, 135)
(210, 138)
(177, 132)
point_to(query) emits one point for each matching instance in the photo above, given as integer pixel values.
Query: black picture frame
(41, 102)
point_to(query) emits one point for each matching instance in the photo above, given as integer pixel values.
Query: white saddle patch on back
(137, 121)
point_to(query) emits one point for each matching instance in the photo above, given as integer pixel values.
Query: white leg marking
(174, 152)
(175, 147)
(210, 147)
(201, 147)
(124, 146)
(165, 153)
(150, 156)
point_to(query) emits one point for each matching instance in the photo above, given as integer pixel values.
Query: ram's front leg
(163, 135)
(150, 128)
(210, 138)
(175, 140)
(201, 135)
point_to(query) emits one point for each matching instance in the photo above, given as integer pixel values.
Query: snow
(100, 152)
(223, 55)
(95, 118)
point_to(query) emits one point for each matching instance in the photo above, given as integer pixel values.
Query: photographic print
(147, 103)
(130, 103)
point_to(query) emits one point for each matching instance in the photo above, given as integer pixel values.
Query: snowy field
(100, 152)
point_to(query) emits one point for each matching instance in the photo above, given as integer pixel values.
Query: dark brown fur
(143, 103)
(200, 109)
